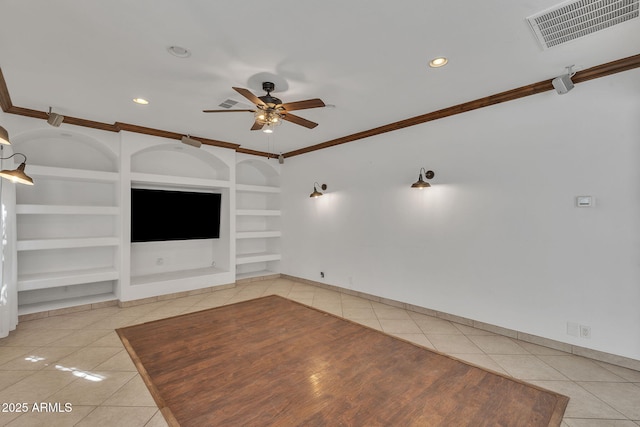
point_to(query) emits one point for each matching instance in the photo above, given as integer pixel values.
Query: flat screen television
(159, 215)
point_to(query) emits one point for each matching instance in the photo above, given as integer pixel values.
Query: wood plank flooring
(275, 362)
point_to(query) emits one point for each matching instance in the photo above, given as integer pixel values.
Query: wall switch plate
(584, 201)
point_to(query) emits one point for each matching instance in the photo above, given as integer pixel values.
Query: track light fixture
(4, 136)
(54, 119)
(17, 175)
(420, 183)
(190, 141)
(317, 193)
(563, 83)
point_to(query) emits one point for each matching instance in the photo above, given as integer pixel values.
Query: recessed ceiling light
(140, 101)
(180, 52)
(438, 62)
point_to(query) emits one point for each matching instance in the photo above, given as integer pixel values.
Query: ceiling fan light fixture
(270, 110)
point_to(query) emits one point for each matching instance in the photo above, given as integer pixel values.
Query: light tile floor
(78, 359)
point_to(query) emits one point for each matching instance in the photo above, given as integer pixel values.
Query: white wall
(498, 237)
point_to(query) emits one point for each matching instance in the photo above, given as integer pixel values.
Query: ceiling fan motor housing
(271, 101)
(268, 86)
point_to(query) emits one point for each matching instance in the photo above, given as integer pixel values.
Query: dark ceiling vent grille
(228, 103)
(575, 19)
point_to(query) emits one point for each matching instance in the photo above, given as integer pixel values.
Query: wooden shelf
(257, 257)
(34, 245)
(29, 282)
(66, 210)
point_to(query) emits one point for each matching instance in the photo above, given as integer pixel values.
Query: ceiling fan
(270, 111)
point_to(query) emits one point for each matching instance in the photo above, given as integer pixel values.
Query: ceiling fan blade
(256, 125)
(299, 120)
(250, 96)
(227, 111)
(303, 105)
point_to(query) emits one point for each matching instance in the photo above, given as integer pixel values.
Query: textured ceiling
(89, 58)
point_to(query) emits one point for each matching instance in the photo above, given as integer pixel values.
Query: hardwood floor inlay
(272, 361)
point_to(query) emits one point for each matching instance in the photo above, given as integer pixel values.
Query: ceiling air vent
(228, 103)
(571, 20)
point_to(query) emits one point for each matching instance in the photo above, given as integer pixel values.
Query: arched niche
(169, 159)
(65, 149)
(257, 172)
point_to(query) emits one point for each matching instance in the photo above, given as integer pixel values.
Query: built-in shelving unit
(73, 226)
(158, 268)
(258, 228)
(67, 224)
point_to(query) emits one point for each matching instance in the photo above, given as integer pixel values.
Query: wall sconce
(17, 175)
(316, 193)
(4, 136)
(54, 119)
(420, 183)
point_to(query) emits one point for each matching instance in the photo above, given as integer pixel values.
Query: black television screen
(158, 215)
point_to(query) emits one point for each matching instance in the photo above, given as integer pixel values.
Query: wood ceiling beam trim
(8, 107)
(257, 153)
(598, 71)
(5, 99)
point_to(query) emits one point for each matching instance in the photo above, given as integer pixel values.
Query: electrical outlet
(159, 261)
(322, 274)
(573, 329)
(585, 331)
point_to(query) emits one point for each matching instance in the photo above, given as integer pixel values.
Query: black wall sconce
(420, 183)
(317, 193)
